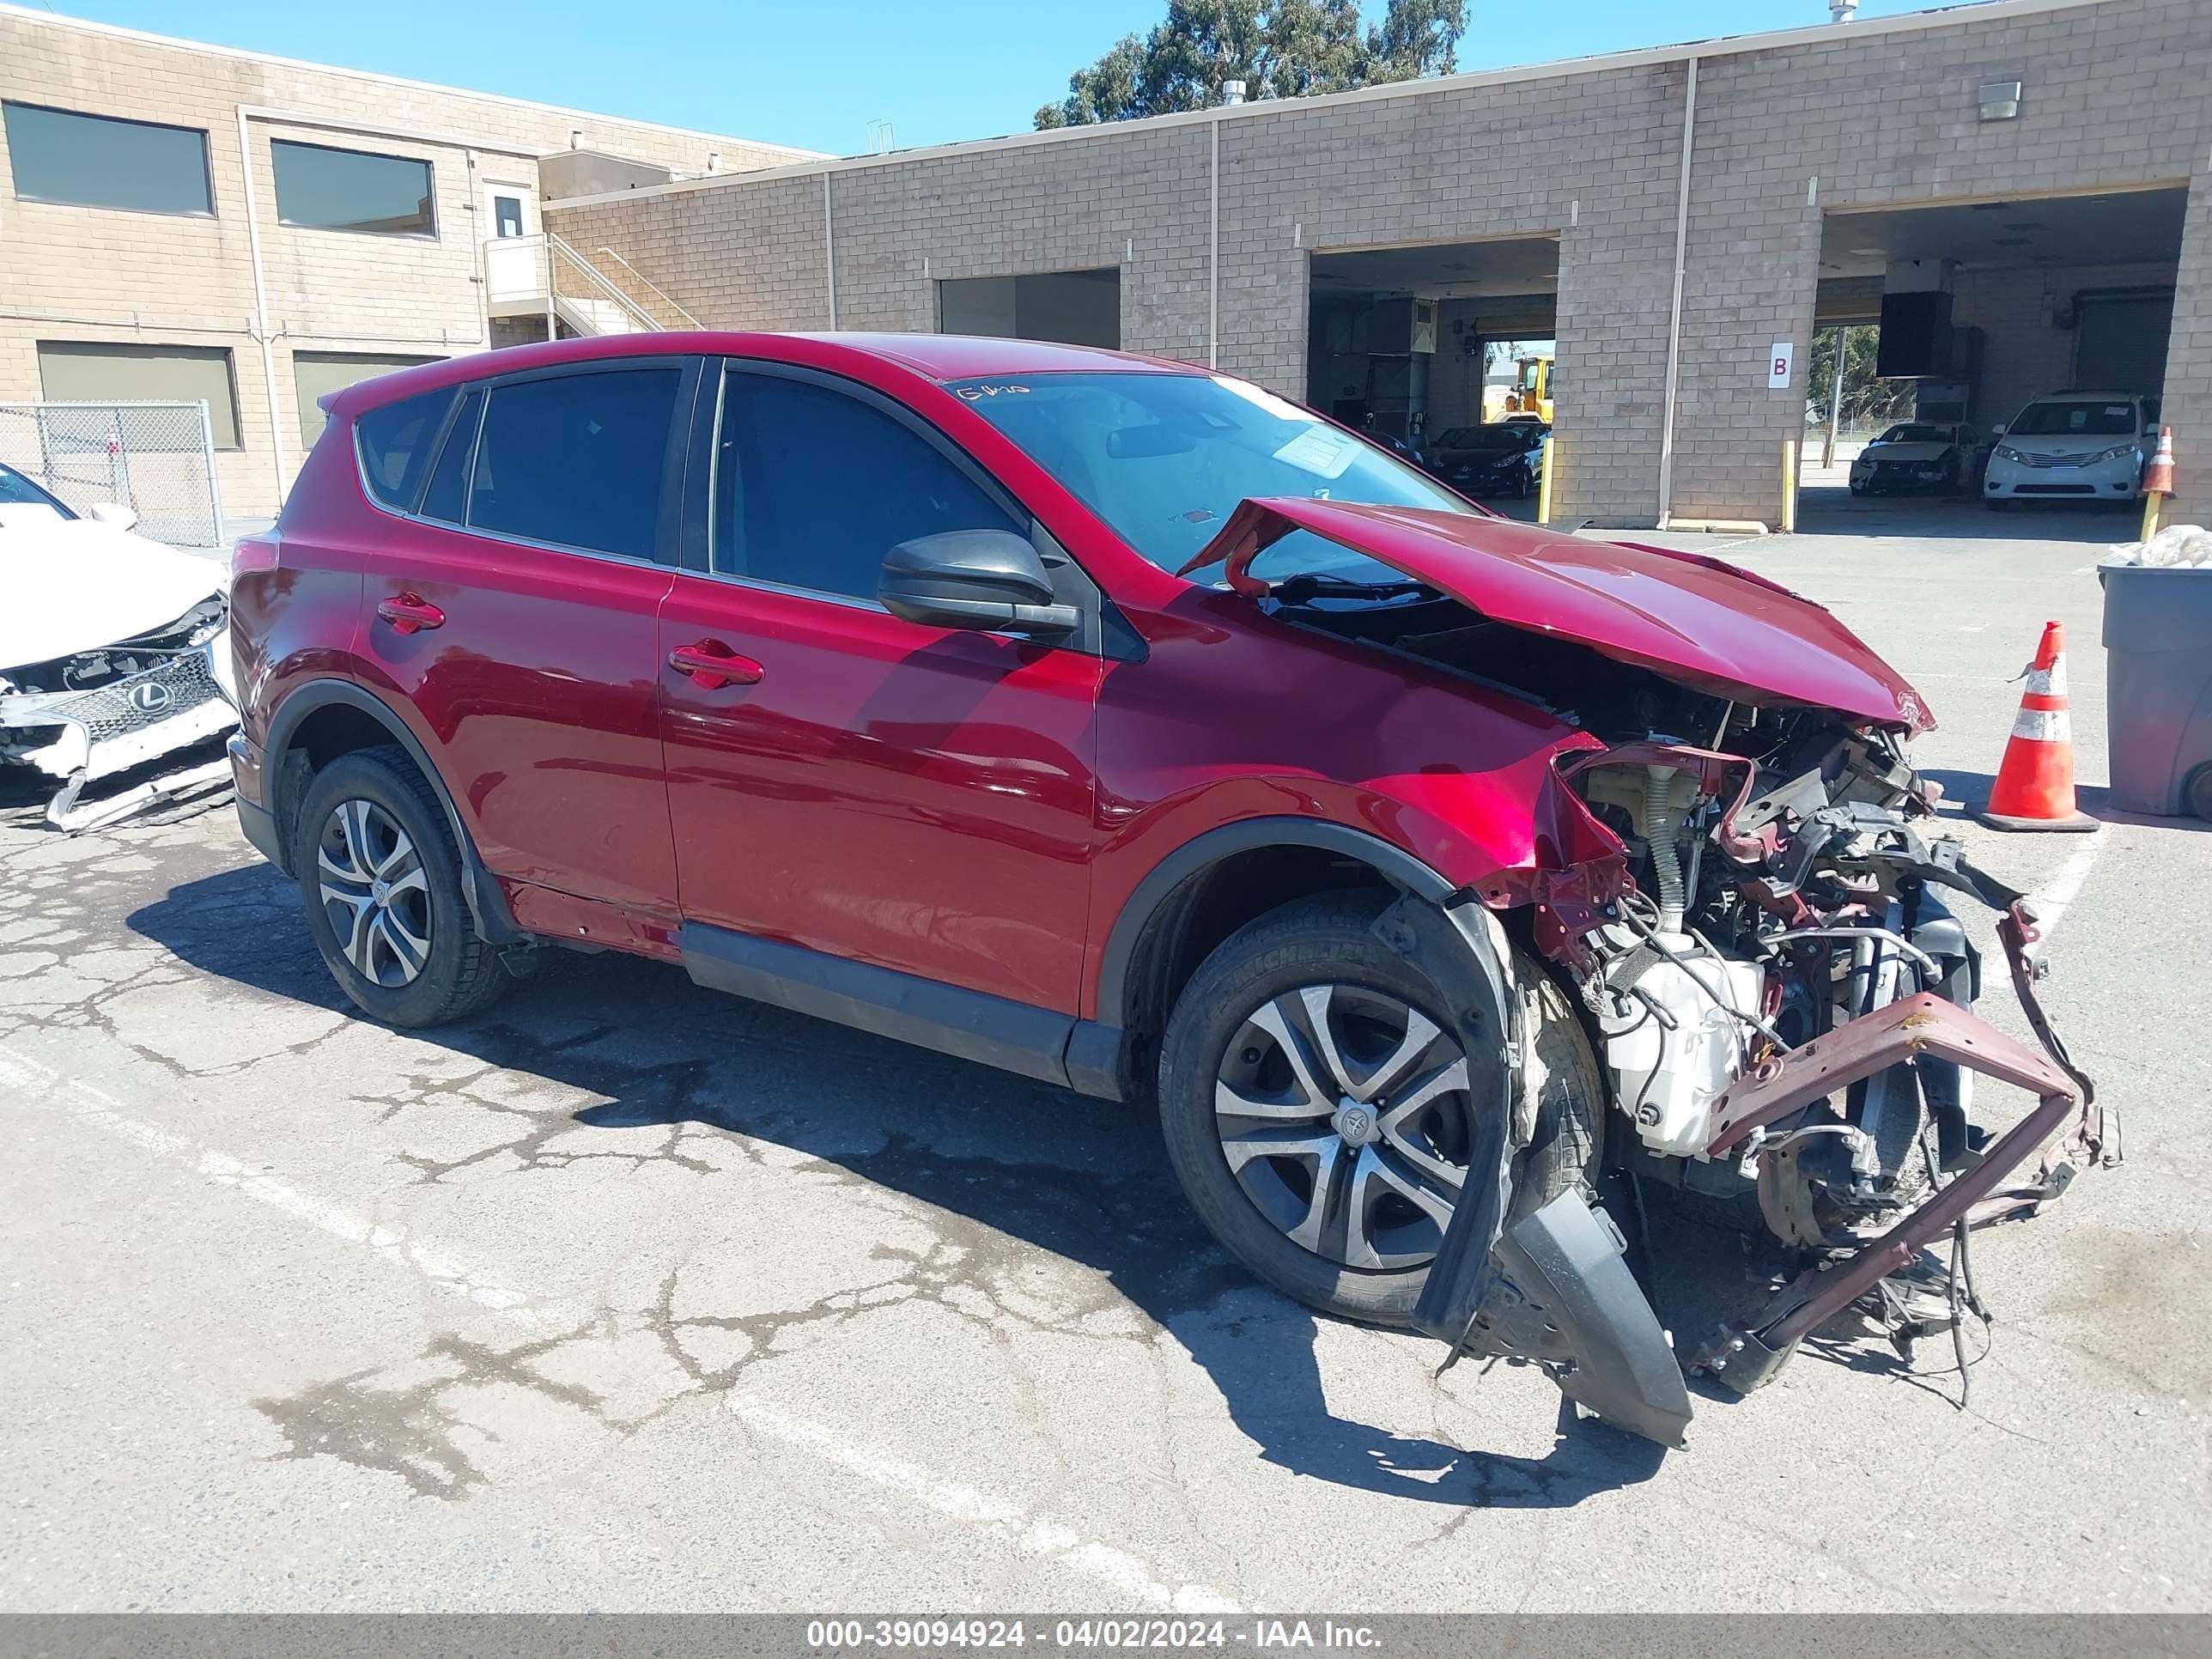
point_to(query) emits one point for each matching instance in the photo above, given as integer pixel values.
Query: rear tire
(1324, 945)
(380, 882)
(2197, 792)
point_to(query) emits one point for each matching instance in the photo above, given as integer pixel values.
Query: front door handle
(408, 612)
(712, 666)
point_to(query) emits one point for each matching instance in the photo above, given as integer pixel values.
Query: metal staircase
(546, 275)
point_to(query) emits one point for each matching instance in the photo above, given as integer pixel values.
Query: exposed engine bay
(1750, 900)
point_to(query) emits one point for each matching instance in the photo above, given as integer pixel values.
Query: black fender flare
(1401, 868)
(494, 921)
(1098, 1049)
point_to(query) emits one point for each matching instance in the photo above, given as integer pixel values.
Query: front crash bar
(1744, 1357)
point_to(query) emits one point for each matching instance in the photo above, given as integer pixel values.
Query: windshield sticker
(976, 391)
(1321, 452)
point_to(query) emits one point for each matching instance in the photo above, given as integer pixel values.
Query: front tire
(1314, 1102)
(380, 881)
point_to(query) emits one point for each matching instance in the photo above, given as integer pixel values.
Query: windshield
(1164, 459)
(1916, 434)
(16, 490)
(2098, 419)
(1487, 437)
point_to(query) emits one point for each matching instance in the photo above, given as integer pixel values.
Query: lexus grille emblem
(149, 698)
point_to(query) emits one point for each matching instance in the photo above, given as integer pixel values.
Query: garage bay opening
(1447, 353)
(1990, 368)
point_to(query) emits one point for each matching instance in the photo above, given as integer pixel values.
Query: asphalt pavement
(627, 1296)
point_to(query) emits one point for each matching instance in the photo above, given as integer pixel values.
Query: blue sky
(815, 75)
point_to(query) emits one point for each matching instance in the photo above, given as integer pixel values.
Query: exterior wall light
(1999, 100)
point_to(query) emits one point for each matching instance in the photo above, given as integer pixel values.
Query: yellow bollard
(2157, 483)
(1789, 486)
(1544, 484)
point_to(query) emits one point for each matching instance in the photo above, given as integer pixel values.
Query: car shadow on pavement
(1013, 1165)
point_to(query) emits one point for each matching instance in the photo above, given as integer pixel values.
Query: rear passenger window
(447, 498)
(395, 443)
(576, 460)
(812, 487)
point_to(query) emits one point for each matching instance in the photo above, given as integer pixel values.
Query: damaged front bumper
(1744, 1357)
(1554, 1289)
(83, 739)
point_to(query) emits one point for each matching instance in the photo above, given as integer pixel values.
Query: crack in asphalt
(1014, 1210)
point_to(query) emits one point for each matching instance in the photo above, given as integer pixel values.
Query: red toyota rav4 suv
(1125, 726)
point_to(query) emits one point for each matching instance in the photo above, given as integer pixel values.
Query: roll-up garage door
(2119, 344)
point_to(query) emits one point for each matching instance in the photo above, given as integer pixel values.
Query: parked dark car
(1129, 727)
(1503, 459)
(1918, 457)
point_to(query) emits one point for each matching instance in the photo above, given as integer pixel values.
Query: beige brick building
(192, 284)
(2044, 165)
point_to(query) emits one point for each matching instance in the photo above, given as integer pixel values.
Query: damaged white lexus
(116, 684)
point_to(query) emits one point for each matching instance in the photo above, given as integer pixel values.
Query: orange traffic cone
(2034, 789)
(2158, 476)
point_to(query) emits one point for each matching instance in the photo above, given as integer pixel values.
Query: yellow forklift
(1531, 391)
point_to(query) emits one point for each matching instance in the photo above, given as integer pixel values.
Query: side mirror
(978, 579)
(1997, 431)
(114, 514)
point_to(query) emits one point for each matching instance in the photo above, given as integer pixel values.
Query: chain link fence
(157, 459)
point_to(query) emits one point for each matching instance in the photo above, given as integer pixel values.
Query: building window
(316, 374)
(319, 188)
(98, 160)
(98, 372)
(1075, 307)
(506, 215)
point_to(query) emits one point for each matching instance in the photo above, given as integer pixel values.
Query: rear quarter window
(395, 442)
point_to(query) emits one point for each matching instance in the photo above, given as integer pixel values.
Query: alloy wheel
(375, 893)
(1345, 1115)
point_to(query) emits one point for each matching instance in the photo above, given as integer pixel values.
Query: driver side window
(813, 486)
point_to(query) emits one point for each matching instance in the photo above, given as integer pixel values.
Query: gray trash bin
(2158, 681)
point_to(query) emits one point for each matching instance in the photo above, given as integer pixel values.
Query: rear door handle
(408, 613)
(712, 666)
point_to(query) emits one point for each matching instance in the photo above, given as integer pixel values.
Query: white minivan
(2073, 446)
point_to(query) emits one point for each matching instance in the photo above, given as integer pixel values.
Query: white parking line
(92, 1105)
(2055, 895)
(1028, 1533)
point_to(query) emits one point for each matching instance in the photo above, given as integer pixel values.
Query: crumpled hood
(1915, 452)
(75, 585)
(1687, 618)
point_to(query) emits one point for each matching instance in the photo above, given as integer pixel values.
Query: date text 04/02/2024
(1085, 1635)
